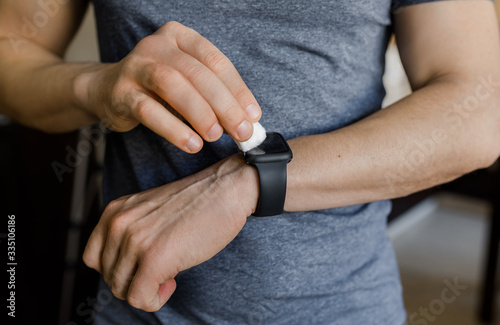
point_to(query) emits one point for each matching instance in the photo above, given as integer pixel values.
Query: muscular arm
(175, 69)
(448, 126)
(35, 83)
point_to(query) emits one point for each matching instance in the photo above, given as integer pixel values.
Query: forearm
(37, 88)
(424, 140)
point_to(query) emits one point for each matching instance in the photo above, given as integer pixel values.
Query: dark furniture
(30, 190)
(491, 267)
(485, 184)
(54, 218)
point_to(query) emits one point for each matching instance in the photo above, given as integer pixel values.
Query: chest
(330, 12)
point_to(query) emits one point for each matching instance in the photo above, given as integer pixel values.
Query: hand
(143, 240)
(170, 75)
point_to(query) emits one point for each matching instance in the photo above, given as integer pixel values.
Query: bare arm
(175, 69)
(35, 83)
(449, 125)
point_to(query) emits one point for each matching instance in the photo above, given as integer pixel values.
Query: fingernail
(215, 132)
(194, 143)
(252, 111)
(244, 131)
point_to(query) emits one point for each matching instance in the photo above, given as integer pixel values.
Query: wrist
(85, 87)
(245, 180)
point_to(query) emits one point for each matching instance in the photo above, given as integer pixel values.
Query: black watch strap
(272, 188)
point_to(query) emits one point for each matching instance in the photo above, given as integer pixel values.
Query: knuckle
(139, 303)
(150, 68)
(147, 42)
(172, 26)
(118, 224)
(141, 108)
(164, 78)
(120, 276)
(148, 255)
(182, 34)
(132, 62)
(233, 114)
(182, 31)
(152, 307)
(217, 62)
(89, 260)
(113, 205)
(117, 293)
(117, 290)
(144, 50)
(196, 72)
(134, 302)
(149, 79)
(167, 74)
(241, 92)
(176, 32)
(119, 95)
(133, 241)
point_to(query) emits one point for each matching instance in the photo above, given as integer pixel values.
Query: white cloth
(258, 136)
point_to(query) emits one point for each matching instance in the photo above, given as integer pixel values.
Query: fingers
(166, 290)
(122, 276)
(205, 52)
(208, 55)
(149, 291)
(110, 255)
(179, 66)
(161, 295)
(124, 272)
(93, 249)
(92, 256)
(159, 120)
(117, 247)
(178, 92)
(225, 106)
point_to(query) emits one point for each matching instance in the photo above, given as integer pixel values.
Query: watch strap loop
(272, 188)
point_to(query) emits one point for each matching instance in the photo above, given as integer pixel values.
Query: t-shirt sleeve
(401, 3)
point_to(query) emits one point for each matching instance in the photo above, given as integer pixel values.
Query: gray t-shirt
(314, 66)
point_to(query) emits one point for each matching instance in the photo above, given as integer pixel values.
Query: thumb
(166, 290)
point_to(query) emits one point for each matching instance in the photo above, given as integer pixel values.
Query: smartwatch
(271, 159)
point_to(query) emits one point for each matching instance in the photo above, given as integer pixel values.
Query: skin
(175, 65)
(450, 51)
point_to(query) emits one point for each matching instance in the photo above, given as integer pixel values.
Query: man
(176, 240)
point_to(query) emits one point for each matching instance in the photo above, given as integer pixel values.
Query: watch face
(273, 148)
(273, 144)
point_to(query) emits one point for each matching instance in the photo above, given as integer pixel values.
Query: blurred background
(446, 238)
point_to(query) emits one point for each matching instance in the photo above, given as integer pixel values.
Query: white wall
(84, 47)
